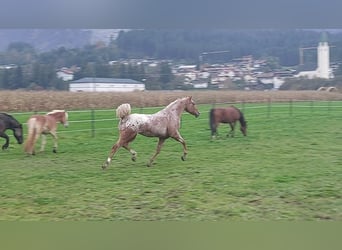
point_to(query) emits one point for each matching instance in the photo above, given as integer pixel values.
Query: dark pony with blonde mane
(9, 122)
(227, 115)
(163, 124)
(42, 125)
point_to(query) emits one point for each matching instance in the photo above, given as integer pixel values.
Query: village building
(95, 84)
(323, 69)
(65, 74)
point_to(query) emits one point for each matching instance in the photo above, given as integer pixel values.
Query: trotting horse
(163, 124)
(227, 115)
(9, 122)
(43, 125)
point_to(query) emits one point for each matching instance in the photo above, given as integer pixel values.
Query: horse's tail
(32, 132)
(211, 120)
(123, 110)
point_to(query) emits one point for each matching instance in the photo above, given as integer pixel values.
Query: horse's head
(243, 129)
(18, 134)
(60, 116)
(190, 107)
(64, 119)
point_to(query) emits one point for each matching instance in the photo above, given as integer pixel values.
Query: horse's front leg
(232, 127)
(55, 144)
(5, 146)
(182, 141)
(159, 146)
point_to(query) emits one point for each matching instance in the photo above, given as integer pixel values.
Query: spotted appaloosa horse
(227, 115)
(43, 125)
(9, 122)
(163, 124)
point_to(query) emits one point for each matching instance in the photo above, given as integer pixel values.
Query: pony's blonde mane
(56, 111)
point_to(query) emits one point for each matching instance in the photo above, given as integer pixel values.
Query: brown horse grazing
(9, 122)
(43, 125)
(163, 124)
(227, 115)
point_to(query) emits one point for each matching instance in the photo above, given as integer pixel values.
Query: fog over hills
(48, 39)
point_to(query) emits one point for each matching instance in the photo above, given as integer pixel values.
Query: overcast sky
(170, 14)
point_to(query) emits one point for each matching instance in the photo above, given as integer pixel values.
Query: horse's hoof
(183, 158)
(54, 150)
(134, 158)
(149, 164)
(104, 166)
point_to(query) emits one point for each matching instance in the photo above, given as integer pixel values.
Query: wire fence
(94, 120)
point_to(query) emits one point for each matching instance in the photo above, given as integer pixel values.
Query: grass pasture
(287, 168)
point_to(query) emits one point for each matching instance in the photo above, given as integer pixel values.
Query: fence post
(93, 123)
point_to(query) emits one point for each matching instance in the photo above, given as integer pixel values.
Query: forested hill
(186, 45)
(48, 39)
(189, 44)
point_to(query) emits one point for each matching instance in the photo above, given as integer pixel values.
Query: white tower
(323, 60)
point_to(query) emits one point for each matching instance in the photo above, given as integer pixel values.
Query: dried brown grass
(11, 101)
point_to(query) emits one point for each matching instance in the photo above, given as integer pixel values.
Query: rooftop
(105, 80)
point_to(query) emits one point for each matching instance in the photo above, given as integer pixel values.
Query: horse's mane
(7, 115)
(12, 119)
(56, 111)
(175, 101)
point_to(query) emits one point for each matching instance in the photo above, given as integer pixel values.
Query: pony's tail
(32, 131)
(123, 110)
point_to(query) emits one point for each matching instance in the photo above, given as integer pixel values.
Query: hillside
(48, 39)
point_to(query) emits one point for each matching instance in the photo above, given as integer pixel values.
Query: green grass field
(287, 168)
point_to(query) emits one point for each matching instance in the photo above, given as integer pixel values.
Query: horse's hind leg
(159, 146)
(133, 152)
(214, 131)
(43, 143)
(35, 139)
(123, 141)
(115, 148)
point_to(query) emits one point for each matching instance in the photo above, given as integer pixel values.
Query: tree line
(32, 70)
